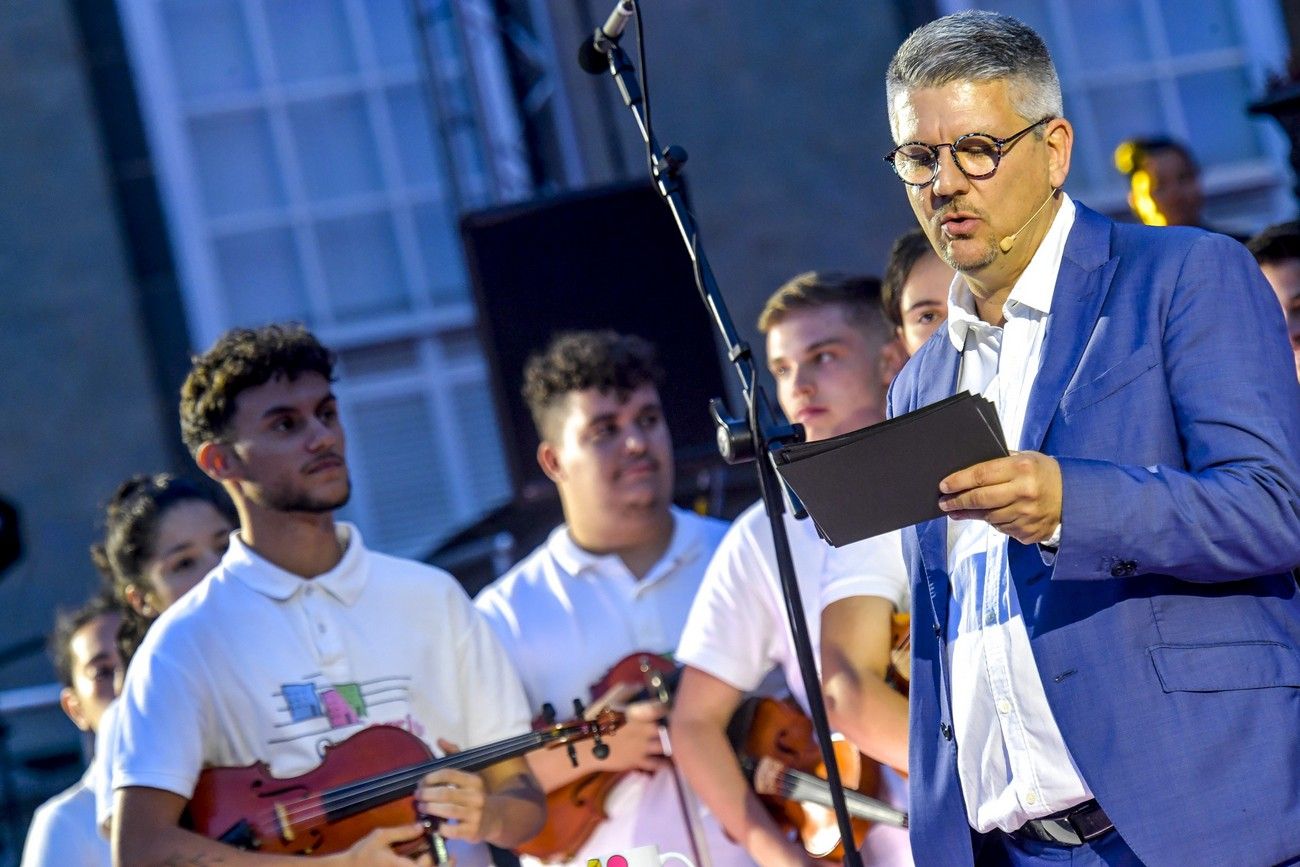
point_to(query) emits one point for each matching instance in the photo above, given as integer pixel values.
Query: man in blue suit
(1105, 630)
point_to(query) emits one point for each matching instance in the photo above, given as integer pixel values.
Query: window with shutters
(313, 157)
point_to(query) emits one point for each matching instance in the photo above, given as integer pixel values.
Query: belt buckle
(1090, 823)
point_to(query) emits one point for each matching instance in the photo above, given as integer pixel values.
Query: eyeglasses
(977, 154)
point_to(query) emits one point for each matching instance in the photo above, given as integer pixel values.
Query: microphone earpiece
(1009, 241)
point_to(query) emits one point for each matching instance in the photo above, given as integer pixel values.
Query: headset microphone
(1009, 241)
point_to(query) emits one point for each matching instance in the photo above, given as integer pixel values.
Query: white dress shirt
(1013, 763)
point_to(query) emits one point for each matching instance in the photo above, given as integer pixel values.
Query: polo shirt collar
(344, 582)
(575, 560)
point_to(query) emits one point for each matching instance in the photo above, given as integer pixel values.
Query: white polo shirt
(738, 630)
(63, 831)
(259, 664)
(565, 616)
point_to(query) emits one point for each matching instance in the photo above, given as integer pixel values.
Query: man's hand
(376, 848)
(1019, 495)
(453, 794)
(638, 745)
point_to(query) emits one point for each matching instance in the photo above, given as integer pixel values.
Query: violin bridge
(282, 819)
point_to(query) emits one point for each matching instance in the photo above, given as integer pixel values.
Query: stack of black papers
(886, 477)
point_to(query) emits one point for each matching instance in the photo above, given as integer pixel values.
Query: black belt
(1072, 827)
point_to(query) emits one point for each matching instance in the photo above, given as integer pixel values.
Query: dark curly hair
(131, 521)
(908, 249)
(66, 625)
(579, 360)
(244, 358)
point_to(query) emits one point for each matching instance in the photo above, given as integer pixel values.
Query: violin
(774, 740)
(364, 782)
(576, 809)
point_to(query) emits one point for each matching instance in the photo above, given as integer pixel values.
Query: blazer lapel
(1081, 287)
(936, 379)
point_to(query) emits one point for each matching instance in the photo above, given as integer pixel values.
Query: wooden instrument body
(249, 808)
(365, 782)
(779, 731)
(575, 810)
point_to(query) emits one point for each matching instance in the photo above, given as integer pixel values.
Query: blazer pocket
(1227, 666)
(1111, 381)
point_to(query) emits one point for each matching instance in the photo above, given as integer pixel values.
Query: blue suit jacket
(1166, 634)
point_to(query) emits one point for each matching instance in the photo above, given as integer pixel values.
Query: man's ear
(1060, 142)
(71, 705)
(217, 460)
(890, 361)
(548, 458)
(138, 599)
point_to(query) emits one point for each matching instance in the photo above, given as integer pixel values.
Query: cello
(364, 782)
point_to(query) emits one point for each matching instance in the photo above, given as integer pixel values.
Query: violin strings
(396, 782)
(815, 787)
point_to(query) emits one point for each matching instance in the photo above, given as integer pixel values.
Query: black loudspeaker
(609, 257)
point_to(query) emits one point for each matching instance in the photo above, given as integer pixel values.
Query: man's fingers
(396, 833)
(452, 777)
(992, 472)
(646, 711)
(996, 496)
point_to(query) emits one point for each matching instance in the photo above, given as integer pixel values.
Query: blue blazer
(1167, 632)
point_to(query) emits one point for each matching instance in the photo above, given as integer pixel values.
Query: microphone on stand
(593, 53)
(1009, 241)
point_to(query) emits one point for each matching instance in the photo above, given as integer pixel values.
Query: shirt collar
(575, 560)
(344, 582)
(1032, 294)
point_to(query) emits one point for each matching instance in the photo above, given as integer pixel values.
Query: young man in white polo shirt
(302, 636)
(63, 829)
(616, 578)
(825, 339)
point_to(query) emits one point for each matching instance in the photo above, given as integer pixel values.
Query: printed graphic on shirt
(311, 706)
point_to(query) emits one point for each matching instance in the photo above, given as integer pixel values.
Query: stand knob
(735, 441)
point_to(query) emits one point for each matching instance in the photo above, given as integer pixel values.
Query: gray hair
(977, 46)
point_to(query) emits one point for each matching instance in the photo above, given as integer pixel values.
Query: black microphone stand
(757, 437)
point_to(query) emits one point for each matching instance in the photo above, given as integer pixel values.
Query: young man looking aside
(914, 290)
(85, 653)
(616, 578)
(302, 636)
(825, 337)
(1277, 250)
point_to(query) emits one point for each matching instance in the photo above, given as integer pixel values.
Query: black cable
(651, 157)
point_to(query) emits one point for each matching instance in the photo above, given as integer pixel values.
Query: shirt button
(937, 631)
(320, 626)
(1004, 706)
(309, 590)
(1031, 797)
(946, 731)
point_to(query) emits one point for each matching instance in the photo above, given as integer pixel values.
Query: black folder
(886, 476)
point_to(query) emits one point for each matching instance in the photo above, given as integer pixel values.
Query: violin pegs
(573, 753)
(578, 709)
(548, 713)
(599, 748)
